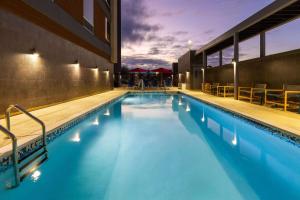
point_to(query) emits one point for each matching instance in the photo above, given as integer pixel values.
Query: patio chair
(289, 95)
(225, 90)
(252, 93)
(206, 87)
(213, 88)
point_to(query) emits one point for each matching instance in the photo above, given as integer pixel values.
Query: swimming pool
(160, 146)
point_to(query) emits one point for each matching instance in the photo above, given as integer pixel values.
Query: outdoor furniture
(213, 88)
(225, 90)
(288, 96)
(251, 93)
(206, 87)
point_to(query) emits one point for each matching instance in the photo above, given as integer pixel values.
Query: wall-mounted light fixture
(76, 63)
(233, 62)
(94, 67)
(106, 70)
(34, 52)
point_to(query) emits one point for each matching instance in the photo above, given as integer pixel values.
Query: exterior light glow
(234, 140)
(34, 53)
(190, 43)
(76, 138)
(76, 64)
(203, 119)
(188, 109)
(203, 116)
(180, 102)
(233, 62)
(96, 122)
(36, 175)
(107, 113)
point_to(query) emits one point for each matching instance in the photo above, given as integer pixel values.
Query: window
(88, 14)
(250, 48)
(283, 38)
(228, 55)
(213, 60)
(107, 29)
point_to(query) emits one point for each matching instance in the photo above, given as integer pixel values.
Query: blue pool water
(163, 147)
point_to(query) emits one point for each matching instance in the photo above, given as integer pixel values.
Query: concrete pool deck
(53, 117)
(57, 115)
(284, 121)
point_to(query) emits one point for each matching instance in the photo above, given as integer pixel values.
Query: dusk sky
(155, 33)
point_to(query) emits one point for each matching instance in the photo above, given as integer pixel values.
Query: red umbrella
(162, 70)
(138, 70)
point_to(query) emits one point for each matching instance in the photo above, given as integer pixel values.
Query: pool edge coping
(288, 135)
(36, 141)
(57, 131)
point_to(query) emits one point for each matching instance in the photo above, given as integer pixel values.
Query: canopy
(162, 70)
(138, 70)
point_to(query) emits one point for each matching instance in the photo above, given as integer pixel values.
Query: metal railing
(22, 110)
(14, 153)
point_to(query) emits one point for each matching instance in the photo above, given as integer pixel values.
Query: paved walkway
(286, 121)
(53, 117)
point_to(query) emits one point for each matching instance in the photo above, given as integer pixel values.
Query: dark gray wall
(175, 74)
(274, 70)
(190, 63)
(50, 78)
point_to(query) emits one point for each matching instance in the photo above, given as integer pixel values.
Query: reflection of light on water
(76, 137)
(96, 122)
(234, 140)
(36, 175)
(172, 98)
(188, 109)
(180, 102)
(203, 119)
(107, 113)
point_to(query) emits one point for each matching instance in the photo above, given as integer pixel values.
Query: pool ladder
(23, 167)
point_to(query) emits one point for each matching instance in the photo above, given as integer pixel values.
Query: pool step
(28, 164)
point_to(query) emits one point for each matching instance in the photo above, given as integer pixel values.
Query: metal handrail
(14, 152)
(21, 109)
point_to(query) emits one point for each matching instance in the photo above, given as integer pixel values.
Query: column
(262, 44)
(235, 65)
(220, 58)
(204, 62)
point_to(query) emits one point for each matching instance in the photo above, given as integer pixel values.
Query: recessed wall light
(34, 53)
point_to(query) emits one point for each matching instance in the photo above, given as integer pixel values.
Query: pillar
(236, 63)
(220, 58)
(204, 62)
(262, 44)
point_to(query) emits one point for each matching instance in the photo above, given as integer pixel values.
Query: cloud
(148, 63)
(209, 31)
(154, 51)
(172, 13)
(180, 33)
(134, 26)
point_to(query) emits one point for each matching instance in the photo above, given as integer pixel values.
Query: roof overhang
(273, 15)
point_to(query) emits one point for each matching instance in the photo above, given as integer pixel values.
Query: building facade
(57, 50)
(189, 70)
(275, 70)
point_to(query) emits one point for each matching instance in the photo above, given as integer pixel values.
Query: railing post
(14, 154)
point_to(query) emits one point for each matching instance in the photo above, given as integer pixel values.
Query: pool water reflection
(158, 146)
